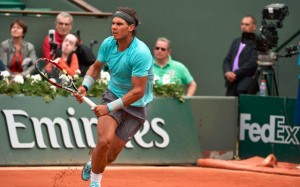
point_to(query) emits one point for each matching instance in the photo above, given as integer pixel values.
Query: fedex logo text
(274, 132)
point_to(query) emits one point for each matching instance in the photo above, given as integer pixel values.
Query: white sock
(96, 177)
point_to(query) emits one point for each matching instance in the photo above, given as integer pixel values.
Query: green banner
(267, 126)
(33, 132)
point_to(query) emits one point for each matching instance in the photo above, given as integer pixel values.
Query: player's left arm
(137, 91)
(142, 64)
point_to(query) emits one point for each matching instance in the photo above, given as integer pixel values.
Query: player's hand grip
(89, 102)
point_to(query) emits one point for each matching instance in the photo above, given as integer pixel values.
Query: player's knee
(103, 144)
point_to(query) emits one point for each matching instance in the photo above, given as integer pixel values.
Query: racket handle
(89, 102)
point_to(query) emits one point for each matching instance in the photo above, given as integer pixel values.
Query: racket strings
(53, 73)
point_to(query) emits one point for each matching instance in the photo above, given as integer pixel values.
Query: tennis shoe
(86, 171)
(95, 184)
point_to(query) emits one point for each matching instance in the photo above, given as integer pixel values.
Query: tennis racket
(58, 77)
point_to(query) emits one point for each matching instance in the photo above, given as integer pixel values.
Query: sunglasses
(160, 48)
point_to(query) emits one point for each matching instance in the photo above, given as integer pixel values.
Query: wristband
(115, 105)
(88, 82)
(85, 87)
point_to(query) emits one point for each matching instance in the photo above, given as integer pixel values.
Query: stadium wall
(34, 132)
(200, 31)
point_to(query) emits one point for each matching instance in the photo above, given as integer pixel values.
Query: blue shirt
(135, 61)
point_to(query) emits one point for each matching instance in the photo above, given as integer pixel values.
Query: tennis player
(122, 111)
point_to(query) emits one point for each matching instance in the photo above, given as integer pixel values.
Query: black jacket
(247, 63)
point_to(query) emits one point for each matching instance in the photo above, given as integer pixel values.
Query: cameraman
(63, 27)
(240, 64)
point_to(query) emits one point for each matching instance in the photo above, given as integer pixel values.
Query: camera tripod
(265, 70)
(267, 73)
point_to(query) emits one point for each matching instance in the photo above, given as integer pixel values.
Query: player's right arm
(93, 71)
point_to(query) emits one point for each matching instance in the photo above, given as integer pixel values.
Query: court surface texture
(146, 176)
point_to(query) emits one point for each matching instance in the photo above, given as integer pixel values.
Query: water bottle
(262, 88)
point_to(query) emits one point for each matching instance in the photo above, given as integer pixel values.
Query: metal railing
(40, 13)
(90, 11)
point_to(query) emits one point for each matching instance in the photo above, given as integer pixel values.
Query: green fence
(58, 133)
(267, 126)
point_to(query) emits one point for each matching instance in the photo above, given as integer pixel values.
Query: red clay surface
(144, 176)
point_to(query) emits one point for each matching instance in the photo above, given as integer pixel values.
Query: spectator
(240, 64)
(68, 59)
(168, 71)
(18, 55)
(63, 26)
(84, 54)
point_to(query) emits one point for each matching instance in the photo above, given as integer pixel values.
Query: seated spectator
(168, 71)
(68, 59)
(18, 55)
(84, 54)
(63, 26)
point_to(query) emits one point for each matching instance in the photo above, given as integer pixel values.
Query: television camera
(272, 18)
(268, 37)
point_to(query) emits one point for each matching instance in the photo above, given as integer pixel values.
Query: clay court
(248, 173)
